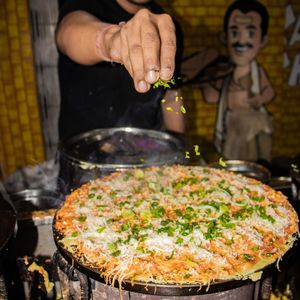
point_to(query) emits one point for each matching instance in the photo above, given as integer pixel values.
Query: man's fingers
(136, 61)
(167, 34)
(124, 52)
(151, 51)
(146, 46)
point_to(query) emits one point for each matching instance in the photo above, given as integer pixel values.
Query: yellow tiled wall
(202, 21)
(21, 141)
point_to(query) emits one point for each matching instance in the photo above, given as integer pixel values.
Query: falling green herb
(183, 110)
(295, 168)
(196, 148)
(222, 163)
(164, 83)
(169, 108)
(187, 154)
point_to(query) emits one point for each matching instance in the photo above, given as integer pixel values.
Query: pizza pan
(155, 288)
(246, 168)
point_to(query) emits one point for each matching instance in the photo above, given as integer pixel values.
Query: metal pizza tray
(156, 288)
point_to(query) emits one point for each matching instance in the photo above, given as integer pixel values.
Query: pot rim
(106, 132)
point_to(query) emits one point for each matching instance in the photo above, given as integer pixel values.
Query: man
(243, 127)
(112, 51)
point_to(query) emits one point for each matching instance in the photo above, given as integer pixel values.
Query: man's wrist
(103, 38)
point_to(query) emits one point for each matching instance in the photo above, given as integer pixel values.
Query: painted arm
(211, 91)
(172, 111)
(145, 45)
(267, 92)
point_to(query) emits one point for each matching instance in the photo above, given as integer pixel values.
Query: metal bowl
(99, 152)
(246, 168)
(35, 199)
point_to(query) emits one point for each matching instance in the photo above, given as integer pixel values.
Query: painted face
(244, 37)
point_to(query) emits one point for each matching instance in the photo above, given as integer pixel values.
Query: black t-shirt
(103, 95)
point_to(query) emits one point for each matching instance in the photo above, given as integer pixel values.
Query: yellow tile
(11, 18)
(17, 70)
(4, 52)
(2, 25)
(3, 39)
(14, 44)
(21, 96)
(26, 136)
(15, 129)
(24, 121)
(25, 39)
(9, 90)
(13, 31)
(26, 51)
(10, 5)
(13, 115)
(19, 82)
(22, 10)
(18, 143)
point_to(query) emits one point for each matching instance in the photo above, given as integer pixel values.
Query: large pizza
(176, 225)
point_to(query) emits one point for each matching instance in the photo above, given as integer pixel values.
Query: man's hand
(146, 46)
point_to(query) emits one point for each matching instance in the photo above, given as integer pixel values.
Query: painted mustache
(242, 47)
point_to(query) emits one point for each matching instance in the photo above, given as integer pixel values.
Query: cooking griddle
(8, 221)
(152, 288)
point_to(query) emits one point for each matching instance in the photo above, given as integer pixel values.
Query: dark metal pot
(246, 168)
(35, 200)
(295, 175)
(35, 211)
(99, 152)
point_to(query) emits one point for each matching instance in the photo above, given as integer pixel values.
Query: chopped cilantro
(170, 256)
(164, 83)
(140, 248)
(81, 218)
(178, 212)
(100, 229)
(156, 210)
(212, 231)
(124, 227)
(179, 241)
(116, 253)
(248, 257)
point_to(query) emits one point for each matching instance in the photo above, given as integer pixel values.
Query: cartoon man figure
(243, 126)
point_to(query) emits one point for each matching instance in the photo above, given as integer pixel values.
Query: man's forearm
(79, 36)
